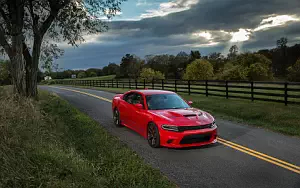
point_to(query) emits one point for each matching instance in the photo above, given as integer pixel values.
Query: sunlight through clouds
(275, 21)
(170, 7)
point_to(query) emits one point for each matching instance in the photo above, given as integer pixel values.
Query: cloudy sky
(146, 27)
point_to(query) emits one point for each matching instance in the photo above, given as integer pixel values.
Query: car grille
(198, 138)
(190, 128)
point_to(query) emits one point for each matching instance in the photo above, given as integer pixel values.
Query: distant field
(108, 77)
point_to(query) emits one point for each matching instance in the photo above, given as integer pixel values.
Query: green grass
(269, 115)
(51, 144)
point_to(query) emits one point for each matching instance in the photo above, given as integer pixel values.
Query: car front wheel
(153, 136)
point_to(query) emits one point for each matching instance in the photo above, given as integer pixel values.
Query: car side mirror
(190, 103)
(139, 106)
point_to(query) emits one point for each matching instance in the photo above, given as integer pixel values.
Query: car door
(125, 108)
(138, 117)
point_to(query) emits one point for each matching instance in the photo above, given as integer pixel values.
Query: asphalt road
(220, 165)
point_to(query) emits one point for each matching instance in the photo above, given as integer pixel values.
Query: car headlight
(170, 128)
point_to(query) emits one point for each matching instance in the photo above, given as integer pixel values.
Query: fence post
(176, 86)
(153, 83)
(252, 91)
(144, 83)
(285, 93)
(112, 83)
(226, 89)
(162, 84)
(129, 83)
(100, 83)
(136, 84)
(117, 83)
(189, 86)
(206, 87)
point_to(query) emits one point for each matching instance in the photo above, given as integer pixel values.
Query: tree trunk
(17, 65)
(32, 69)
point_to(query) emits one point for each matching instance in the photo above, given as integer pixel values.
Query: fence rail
(282, 92)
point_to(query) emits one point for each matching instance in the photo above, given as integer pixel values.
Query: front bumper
(188, 138)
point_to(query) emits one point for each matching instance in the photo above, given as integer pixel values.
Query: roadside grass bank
(49, 143)
(269, 115)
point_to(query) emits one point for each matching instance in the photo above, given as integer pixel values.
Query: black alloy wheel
(153, 136)
(116, 117)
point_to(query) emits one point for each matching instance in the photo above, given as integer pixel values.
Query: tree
(195, 55)
(81, 75)
(233, 51)
(25, 22)
(282, 42)
(294, 72)
(92, 74)
(259, 72)
(199, 69)
(150, 74)
(111, 69)
(247, 66)
(131, 66)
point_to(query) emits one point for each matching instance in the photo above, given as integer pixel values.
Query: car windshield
(165, 101)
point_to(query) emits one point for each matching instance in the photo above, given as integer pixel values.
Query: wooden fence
(282, 92)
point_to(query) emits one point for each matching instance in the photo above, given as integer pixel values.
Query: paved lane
(214, 166)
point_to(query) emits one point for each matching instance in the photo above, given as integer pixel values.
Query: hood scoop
(190, 115)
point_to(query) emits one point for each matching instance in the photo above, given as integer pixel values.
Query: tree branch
(6, 19)
(26, 54)
(33, 17)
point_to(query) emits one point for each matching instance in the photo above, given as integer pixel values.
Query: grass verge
(269, 115)
(51, 144)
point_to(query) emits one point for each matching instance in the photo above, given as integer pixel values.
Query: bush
(149, 74)
(294, 72)
(233, 72)
(199, 69)
(81, 75)
(247, 67)
(259, 72)
(92, 74)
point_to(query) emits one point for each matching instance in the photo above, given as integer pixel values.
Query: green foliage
(259, 72)
(199, 69)
(233, 72)
(131, 66)
(149, 74)
(294, 72)
(247, 66)
(92, 74)
(81, 75)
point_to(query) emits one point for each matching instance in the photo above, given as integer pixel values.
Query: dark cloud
(173, 33)
(213, 15)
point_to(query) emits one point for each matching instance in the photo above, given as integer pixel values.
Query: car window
(165, 101)
(134, 98)
(128, 97)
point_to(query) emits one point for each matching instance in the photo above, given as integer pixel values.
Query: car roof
(152, 91)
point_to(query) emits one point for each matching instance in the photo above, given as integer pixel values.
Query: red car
(164, 118)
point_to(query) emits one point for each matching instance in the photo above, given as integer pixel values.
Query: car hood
(184, 117)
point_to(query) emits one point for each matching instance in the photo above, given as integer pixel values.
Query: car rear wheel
(153, 136)
(116, 117)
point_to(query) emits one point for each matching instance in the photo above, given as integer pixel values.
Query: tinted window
(134, 98)
(165, 101)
